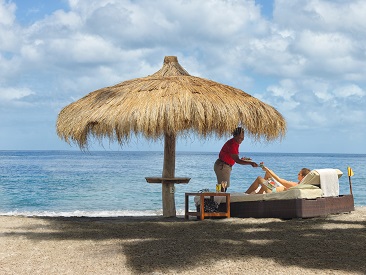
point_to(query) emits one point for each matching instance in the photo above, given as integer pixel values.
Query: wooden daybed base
(291, 208)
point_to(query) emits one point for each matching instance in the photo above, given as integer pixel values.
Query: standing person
(278, 184)
(229, 155)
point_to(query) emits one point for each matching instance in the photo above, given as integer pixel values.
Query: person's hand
(246, 159)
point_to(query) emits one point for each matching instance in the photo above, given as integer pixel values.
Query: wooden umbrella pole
(169, 172)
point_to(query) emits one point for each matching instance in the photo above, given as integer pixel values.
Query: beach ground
(157, 245)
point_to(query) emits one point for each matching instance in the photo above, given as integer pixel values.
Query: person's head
(303, 172)
(238, 135)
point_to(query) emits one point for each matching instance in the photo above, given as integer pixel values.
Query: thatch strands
(167, 102)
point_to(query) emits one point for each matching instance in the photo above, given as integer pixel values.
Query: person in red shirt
(229, 155)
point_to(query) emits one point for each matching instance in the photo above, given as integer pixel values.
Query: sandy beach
(157, 245)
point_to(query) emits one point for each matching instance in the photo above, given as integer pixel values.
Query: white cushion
(314, 178)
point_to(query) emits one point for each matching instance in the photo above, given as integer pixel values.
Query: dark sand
(155, 245)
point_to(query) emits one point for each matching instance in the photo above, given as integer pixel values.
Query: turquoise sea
(112, 183)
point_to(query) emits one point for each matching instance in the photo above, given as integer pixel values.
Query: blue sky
(304, 57)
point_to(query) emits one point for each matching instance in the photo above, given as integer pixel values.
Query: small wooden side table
(202, 214)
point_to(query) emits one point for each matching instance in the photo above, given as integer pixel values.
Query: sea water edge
(112, 183)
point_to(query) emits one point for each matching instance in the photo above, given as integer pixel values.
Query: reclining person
(272, 183)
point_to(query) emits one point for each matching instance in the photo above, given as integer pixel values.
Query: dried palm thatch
(166, 104)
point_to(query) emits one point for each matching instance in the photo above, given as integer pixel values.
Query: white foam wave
(80, 213)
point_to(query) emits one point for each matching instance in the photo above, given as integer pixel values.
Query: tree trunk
(169, 172)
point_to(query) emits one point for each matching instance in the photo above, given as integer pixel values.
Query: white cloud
(317, 118)
(295, 46)
(317, 104)
(286, 90)
(308, 60)
(8, 28)
(324, 15)
(7, 11)
(8, 94)
(323, 45)
(350, 91)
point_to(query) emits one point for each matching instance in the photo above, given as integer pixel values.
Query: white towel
(329, 182)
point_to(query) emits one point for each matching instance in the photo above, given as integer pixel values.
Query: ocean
(112, 183)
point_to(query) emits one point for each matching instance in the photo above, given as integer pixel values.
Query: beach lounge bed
(317, 195)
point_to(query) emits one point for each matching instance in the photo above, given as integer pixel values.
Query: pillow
(314, 178)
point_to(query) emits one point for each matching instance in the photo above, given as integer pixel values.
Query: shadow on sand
(156, 243)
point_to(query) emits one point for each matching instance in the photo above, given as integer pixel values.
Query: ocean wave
(80, 213)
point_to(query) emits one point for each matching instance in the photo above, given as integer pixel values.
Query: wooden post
(169, 172)
(350, 174)
(350, 184)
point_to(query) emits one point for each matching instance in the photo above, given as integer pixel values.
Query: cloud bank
(306, 58)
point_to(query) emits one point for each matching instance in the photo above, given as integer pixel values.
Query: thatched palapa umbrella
(167, 104)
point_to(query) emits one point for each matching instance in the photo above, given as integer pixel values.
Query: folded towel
(329, 182)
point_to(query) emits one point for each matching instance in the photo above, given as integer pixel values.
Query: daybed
(317, 195)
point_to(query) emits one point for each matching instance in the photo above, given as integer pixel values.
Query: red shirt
(229, 148)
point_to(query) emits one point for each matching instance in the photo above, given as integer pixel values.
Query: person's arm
(243, 162)
(284, 182)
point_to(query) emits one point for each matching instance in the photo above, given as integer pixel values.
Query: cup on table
(223, 186)
(218, 187)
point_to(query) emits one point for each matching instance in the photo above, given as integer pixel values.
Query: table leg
(186, 199)
(228, 206)
(202, 207)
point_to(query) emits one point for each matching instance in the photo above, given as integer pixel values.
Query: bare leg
(262, 190)
(265, 189)
(267, 175)
(255, 185)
